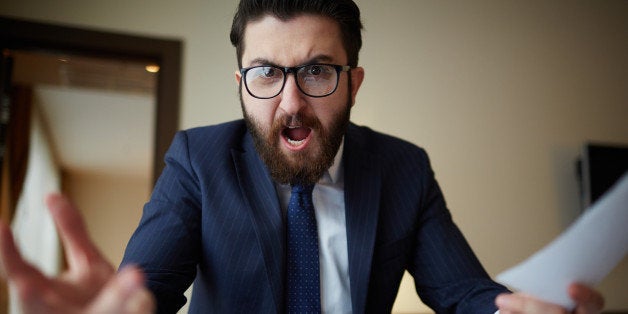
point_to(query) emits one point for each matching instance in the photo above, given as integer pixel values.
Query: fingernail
(502, 300)
(131, 278)
(52, 200)
(55, 201)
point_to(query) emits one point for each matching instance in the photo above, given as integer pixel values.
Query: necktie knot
(301, 198)
(303, 189)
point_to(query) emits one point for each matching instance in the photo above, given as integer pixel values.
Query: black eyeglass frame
(294, 70)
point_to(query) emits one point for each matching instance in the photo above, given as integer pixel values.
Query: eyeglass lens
(315, 80)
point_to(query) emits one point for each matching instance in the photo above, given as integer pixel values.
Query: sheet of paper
(586, 252)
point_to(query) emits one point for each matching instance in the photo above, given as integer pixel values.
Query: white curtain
(33, 228)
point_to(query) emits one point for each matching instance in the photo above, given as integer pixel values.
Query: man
(232, 211)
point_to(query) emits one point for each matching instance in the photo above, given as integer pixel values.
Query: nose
(292, 100)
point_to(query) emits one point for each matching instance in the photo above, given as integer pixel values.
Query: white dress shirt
(329, 206)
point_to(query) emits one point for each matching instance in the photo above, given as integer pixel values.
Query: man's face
(297, 135)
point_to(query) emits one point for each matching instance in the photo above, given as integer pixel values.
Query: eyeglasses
(314, 80)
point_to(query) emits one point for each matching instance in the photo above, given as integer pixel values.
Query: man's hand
(588, 301)
(90, 285)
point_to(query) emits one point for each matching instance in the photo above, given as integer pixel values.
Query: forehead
(302, 39)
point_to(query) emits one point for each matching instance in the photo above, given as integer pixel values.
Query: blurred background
(503, 95)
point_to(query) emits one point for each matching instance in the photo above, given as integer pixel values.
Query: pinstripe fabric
(214, 219)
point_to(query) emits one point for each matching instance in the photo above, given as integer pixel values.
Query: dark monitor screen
(601, 166)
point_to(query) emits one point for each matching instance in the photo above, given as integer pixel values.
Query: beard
(303, 167)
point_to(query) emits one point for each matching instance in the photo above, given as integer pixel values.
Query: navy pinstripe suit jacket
(214, 218)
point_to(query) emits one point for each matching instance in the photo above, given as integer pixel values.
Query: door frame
(36, 36)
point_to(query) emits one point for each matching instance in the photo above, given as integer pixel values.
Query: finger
(587, 299)
(522, 303)
(9, 256)
(12, 265)
(29, 283)
(125, 293)
(140, 302)
(81, 252)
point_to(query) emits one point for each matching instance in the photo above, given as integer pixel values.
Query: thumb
(124, 293)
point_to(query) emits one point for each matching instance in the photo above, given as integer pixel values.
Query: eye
(314, 70)
(268, 71)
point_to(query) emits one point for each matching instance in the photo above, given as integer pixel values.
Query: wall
(502, 94)
(112, 207)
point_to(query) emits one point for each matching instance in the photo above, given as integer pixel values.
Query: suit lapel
(362, 194)
(362, 197)
(259, 192)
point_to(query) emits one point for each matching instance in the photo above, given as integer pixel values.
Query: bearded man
(291, 209)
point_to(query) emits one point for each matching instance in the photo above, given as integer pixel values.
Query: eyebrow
(316, 59)
(261, 61)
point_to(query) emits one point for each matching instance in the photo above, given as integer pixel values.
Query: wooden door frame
(37, 36)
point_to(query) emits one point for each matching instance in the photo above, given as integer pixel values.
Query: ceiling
(99, 112)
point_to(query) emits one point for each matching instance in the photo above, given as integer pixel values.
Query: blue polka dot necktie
(303, 270)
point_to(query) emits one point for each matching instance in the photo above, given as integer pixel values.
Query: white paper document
(586, 252)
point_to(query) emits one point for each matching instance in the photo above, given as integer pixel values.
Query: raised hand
(89, 285)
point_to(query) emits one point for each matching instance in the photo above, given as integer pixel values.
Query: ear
(357, 76)
(238, 77)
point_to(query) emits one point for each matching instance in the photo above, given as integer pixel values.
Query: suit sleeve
(448, 276)
(166, 244)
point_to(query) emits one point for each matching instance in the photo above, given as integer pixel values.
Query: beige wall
(502, 94)
(111, 205)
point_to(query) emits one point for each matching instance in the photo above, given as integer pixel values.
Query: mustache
(292, 121)
(295, 121)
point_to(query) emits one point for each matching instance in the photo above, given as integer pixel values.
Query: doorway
(94, 89)
(25, 35)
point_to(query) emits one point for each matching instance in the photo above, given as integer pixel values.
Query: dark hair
(345, 12)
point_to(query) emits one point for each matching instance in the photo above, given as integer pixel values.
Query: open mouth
(296, 136)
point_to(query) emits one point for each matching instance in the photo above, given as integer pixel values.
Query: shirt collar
(335, 171)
